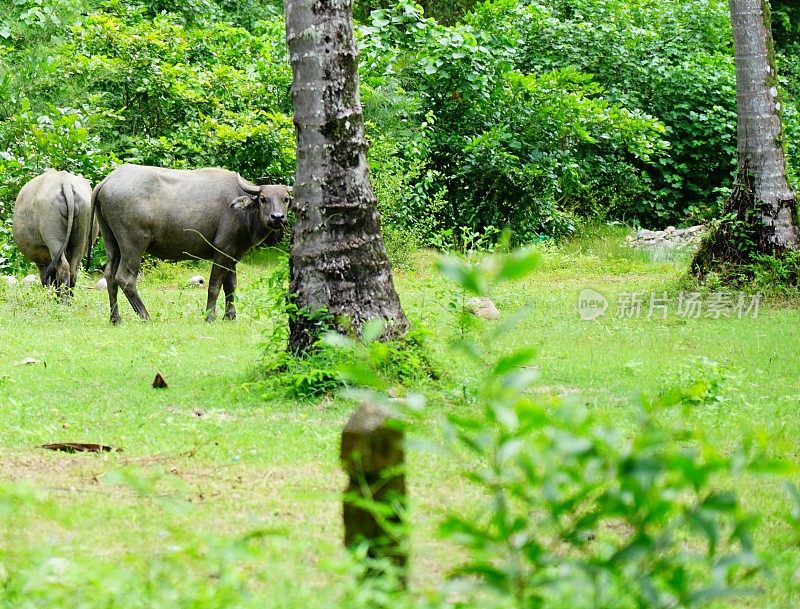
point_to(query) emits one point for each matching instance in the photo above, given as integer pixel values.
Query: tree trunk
(761, 209)
(338, 261)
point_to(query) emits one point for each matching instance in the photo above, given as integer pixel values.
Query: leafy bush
(579, 515)
(670, 60)
(508, 148)
(188, 97)
(776, 275)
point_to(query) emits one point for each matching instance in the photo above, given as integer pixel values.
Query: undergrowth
(327, 368)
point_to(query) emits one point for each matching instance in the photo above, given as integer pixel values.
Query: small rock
(395, 393)
(196, 281)
(30, 279)
(668, 238)
(482, 307)
(10, 280)
(102, 284)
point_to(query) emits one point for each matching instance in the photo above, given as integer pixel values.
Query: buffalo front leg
(229, 285)
(214, 285)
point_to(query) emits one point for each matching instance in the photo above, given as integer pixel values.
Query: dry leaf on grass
(159, 382)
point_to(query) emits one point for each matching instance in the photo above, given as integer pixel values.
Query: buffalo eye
(262, 199)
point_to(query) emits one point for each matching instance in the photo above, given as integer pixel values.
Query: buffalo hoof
(230, 315)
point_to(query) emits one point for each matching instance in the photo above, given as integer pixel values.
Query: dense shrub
(671, 60)
(180, 96)
(506, 148)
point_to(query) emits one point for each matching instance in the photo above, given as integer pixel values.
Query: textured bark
(761, 197)
(338, 260)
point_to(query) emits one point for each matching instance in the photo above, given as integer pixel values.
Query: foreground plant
(582, 515)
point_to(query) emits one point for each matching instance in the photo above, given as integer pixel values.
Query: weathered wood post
(375, 500)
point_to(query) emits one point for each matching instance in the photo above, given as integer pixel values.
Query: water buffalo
(52, 216)
(209, 214)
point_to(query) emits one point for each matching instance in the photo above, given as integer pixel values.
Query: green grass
(209, 461)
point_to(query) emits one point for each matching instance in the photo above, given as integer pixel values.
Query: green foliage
(328, 368)
(729, 256)
(776, 275)
(510, 148)
(576, 514)
(186, 97)
(409, 192)
(619, 521)
(671, 60)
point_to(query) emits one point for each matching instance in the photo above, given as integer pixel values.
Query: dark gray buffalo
(209, 214)
(52, 215)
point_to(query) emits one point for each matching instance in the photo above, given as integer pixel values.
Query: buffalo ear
(242, 202)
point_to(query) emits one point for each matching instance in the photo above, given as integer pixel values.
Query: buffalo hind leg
(126, 277)
(61, 275)
(63, 280)
(130, 261)
(112, 266)
(229, 285)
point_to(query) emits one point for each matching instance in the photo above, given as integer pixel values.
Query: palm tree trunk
(338, 261)
(761, 209)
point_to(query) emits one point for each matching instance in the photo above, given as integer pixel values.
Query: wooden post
(375, 499)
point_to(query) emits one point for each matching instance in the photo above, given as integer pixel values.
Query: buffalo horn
(246, 186)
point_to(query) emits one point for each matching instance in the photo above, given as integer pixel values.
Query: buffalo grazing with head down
(52, 220)
(209, 214)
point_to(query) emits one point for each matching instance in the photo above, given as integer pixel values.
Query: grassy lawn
(221, 497)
